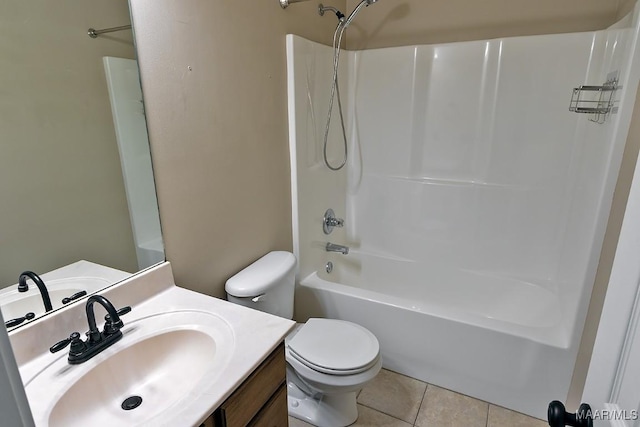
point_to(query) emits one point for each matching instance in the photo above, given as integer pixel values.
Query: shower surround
(475, 203)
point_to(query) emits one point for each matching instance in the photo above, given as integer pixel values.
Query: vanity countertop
(253, 336)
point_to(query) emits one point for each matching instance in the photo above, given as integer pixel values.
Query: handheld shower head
(354, 12)
(335, 91)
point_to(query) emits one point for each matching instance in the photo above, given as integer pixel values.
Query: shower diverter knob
(330, 221)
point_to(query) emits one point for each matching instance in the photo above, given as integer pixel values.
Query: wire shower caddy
(598, 101)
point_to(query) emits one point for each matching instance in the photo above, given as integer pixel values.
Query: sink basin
(164, 359)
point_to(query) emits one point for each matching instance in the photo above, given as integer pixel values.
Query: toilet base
(323, 410)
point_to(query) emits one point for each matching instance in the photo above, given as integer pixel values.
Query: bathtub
(447, 327)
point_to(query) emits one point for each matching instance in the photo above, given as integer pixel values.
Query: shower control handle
(330, 221)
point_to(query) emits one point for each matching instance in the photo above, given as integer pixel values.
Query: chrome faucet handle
(335, 222)
(330, 221)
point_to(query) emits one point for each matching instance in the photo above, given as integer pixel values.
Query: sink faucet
(112, 325)
(96, 341)
(332, 247)
(24, 287)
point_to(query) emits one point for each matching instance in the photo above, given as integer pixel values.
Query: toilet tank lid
(258, 277)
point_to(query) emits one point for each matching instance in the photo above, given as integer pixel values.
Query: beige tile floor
(394, 400)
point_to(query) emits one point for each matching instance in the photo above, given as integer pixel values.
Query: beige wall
(60, 180)
(405, 22)
(214, 80)
(625, 7)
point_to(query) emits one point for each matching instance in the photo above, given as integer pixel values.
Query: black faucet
(96, 341)
(24, 287)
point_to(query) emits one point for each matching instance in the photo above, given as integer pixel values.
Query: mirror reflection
(78, 204)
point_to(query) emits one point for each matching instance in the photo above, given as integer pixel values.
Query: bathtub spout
(332, 247)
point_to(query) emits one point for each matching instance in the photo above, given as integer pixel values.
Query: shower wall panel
(470, 158)
(315, 188)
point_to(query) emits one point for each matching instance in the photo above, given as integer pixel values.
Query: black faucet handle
(121, 312)
(73, 339)
(19, 320)
(111, 326)
(73, 297)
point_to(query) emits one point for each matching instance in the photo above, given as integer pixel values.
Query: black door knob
(559, 417)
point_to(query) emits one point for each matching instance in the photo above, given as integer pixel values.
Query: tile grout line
(486, 423)
(382, 412)
(424, 396)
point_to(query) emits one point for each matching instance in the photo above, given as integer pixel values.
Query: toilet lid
(335, 345)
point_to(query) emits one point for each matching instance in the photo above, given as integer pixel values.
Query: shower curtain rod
(95, 33)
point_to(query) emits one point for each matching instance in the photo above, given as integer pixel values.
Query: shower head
(355, 11)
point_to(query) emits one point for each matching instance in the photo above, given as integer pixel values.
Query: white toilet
(328, 361)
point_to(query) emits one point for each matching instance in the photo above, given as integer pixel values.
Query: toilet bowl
(328, 360)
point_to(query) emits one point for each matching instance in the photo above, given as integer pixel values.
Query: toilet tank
(266, 285)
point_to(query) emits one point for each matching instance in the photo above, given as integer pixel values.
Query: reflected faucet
(24, 287)
(332, 247)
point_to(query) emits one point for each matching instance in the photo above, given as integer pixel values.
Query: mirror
(76, 183)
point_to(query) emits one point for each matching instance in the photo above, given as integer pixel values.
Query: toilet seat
(334, 347)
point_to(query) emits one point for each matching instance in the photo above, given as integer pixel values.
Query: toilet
(328, 360)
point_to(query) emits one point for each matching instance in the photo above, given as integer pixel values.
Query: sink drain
(131, 403)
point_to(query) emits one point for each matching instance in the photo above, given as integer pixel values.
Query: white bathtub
(496, 339)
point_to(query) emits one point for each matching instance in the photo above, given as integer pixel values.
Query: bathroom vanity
(188, 360)
(260, 401)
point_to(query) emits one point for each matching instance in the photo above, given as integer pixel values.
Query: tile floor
(395, 400)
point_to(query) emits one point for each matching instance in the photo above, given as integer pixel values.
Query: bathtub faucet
(332, 247)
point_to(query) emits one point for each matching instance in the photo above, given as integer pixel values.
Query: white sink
(166, 359)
